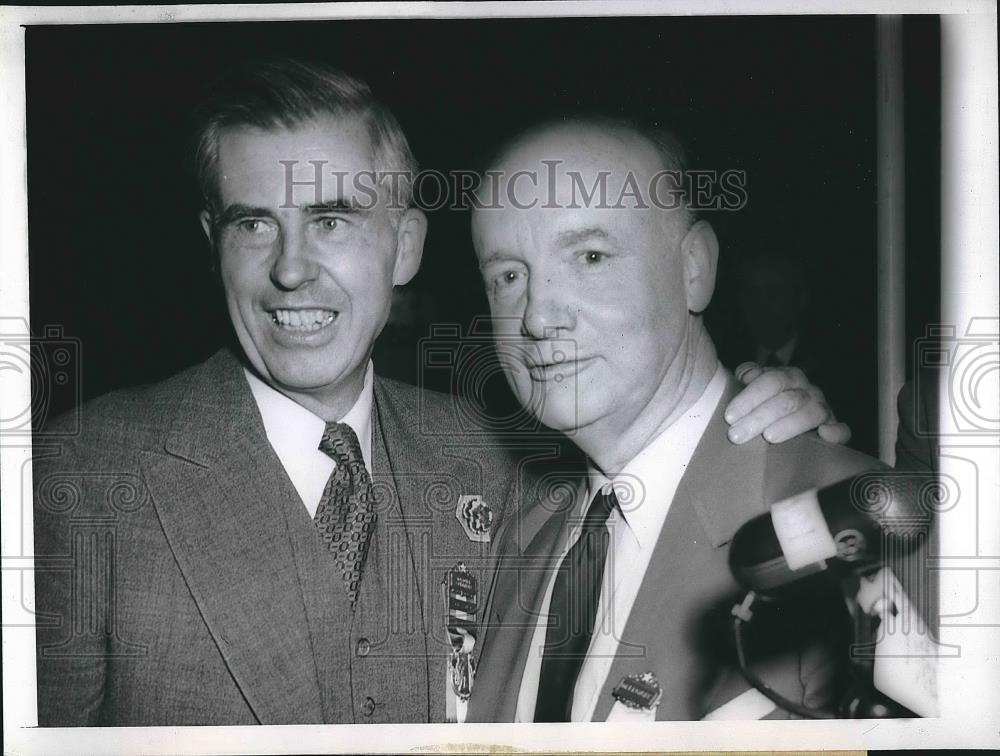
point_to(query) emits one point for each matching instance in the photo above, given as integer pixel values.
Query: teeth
(303, 320)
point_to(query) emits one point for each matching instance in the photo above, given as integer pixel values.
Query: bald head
(591, 162)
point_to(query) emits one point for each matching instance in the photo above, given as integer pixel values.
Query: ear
(700, 250)
(206, 224)
(410, 236)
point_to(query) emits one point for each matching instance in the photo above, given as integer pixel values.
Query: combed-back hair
(284, 93)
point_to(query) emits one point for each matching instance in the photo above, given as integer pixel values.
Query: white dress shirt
(645, 488)
(294, 433)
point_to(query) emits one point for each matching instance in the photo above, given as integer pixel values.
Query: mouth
(542, 372)
(302, 320)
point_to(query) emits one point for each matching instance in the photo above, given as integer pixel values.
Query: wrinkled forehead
(317, 161)
(575, 178)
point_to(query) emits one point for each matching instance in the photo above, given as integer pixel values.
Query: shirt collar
(295, 432)
(646, 485)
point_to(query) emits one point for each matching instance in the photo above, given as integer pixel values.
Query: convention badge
(636, 698)
(476, 517)
(461, 599)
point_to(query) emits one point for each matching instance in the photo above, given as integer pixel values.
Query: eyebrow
(340, 206)
(496, 257)
(237, 211)
(564, 239)
(577, 236)
(233, 213)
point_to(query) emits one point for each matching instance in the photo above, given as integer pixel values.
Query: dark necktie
(572, 613)
(346, 515)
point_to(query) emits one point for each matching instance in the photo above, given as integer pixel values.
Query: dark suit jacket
(687, 590)
(181, 581)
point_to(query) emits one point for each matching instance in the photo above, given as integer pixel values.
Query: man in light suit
(262, 538)
(609, 575)
(182, 578)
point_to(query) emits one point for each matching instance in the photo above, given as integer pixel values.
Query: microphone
(855, 527)
(846, 523)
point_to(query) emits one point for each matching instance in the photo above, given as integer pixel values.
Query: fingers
(763, 385)
(781, 417)
(834, 432)
(747, 371)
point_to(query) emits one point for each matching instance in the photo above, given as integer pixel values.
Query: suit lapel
(522, 574)
(220, 494)
(405, 468)
(668, 630)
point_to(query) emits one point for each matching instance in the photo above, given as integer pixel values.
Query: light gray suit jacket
(679, 619)
(181, 581)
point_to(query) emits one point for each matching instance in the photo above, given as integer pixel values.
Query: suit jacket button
(363, 647)
(368, 707)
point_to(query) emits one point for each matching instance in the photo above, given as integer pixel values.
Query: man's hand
(780, 403)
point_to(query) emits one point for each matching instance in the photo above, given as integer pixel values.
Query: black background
(118, 259)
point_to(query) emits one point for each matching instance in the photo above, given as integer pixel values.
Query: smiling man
(599, 606)
(262, 537)
(289, 527)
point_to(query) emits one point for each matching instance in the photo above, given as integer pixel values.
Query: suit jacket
(180, 580)
(679, 621)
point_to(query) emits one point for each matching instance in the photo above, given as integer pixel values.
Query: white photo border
(970, 696)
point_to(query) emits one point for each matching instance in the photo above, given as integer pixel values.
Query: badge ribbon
(461, 600)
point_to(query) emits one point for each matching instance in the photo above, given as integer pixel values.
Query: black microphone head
(847, 524)
(901, 502)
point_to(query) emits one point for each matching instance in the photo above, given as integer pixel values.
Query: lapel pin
(639, 691)
(476, 517)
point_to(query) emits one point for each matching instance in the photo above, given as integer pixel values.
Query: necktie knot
(600, 509)
(340, 443)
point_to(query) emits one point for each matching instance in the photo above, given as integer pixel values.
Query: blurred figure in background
(773, 301)
(776, 325)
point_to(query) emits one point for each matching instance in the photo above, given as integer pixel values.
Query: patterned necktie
(572, 612)
(346, 515)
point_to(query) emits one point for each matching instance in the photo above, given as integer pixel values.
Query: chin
(563, 417)
(303, 377)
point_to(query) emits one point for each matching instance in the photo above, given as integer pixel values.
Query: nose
(547, 311)
(294, 265)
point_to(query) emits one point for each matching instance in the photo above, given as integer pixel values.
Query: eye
(506, 281)
(253, 231)
(329, 224)
(251, 226)
(593, 256)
